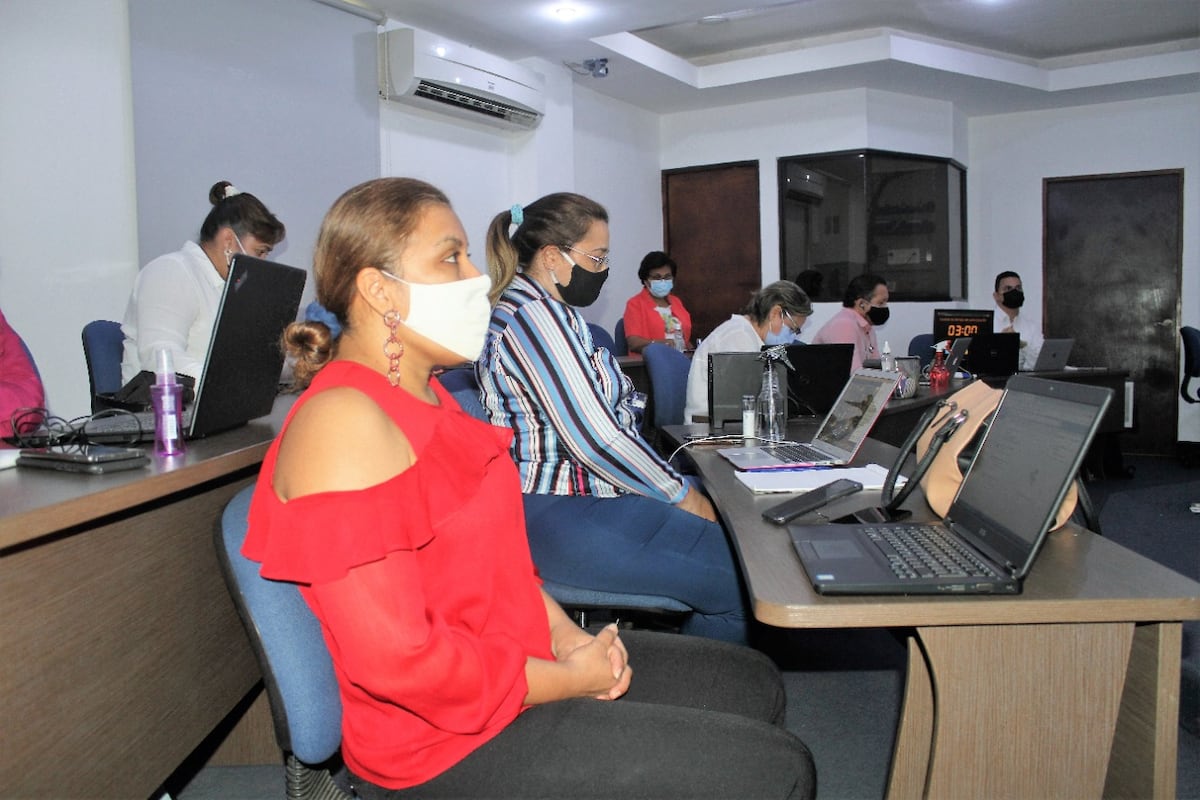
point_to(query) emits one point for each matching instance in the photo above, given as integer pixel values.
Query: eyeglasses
(795, 328)
(600, 261)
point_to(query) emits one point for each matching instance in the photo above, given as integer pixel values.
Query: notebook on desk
(241, 369)
(841, 433)
(997, 522)
(820, 372)
(1053, 355)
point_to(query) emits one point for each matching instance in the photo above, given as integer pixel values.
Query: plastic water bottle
(166, 396)
(772, 406)
(887, 361)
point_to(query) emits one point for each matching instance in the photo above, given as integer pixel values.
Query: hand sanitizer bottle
(166, 395)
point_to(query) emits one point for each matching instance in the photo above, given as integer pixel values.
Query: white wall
(617, 164)
(1012, 153)
(67, 177)
(845, 120)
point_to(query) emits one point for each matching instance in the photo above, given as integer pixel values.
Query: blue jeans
(636, 545)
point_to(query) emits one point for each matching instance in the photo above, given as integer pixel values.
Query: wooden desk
(1070, 689)
(122, 649)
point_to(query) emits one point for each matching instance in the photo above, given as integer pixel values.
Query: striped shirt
(567, 403)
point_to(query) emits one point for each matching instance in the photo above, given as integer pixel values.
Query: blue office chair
(622, 344)
(297, 670)
(921, 346)
(1191, 362)
(602, 338)
(668, 370)
(103, 349)
(461, 383)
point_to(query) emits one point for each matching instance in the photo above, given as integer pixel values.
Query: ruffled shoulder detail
(320, 537)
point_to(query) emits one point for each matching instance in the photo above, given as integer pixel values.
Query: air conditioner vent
(516, 116)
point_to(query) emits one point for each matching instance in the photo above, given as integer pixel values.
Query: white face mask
(454, 315)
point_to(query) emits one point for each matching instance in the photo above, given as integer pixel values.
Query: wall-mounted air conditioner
(424, 70)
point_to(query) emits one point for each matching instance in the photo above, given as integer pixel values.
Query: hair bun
(221, 190)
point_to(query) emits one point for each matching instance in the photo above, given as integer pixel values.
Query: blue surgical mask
(784, 336)
(662, 287)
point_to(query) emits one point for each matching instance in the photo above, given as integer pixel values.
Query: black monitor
(951, 323)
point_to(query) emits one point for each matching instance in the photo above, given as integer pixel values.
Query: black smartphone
(95, 459)
(811, 500)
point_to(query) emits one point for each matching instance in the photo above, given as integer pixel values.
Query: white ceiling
(987, 56)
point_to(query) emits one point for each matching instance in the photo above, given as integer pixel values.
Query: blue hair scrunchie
(518, 214)
(315, 312)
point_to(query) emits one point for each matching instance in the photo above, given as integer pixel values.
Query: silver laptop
(1053, 355)
(998, 520)
(841, 433)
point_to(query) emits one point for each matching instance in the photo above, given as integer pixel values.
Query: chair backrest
(1191, 362)
(287, 640)
(619, 340)
(461, 383)
(103, 349)
(602, 338)
(921, 346)
(668, 370)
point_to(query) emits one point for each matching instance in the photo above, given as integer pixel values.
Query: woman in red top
(400, 517)
(656, 314)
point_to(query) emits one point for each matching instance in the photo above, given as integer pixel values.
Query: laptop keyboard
(926, 551)
(797, 453)
(128, 424)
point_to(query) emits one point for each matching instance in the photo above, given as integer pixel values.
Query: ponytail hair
(556, 220)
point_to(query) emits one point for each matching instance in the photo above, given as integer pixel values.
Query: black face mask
(877, 315)
(1013, 298)
(584, 287)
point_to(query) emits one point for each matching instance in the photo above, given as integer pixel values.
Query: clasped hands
(600, 662)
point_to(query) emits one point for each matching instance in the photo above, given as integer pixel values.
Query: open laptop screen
(1033, 447)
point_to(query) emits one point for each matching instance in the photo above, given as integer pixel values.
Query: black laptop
(998, 520)
(993, 355)
(244, 360)
(821, 371)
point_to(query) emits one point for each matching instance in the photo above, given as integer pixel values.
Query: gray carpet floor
(844, 687)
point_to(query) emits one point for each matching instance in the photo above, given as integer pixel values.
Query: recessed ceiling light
(566, 13)
(713, 19)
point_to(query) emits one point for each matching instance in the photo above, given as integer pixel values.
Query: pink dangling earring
(393, 348)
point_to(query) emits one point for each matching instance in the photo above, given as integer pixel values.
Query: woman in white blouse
(175, 297)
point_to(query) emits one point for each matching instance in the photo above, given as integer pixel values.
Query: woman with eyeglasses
(775, 315)
(175, 297)
(864, 306)
(656, 315)
(604, 510)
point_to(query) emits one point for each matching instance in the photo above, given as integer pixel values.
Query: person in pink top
(864, 306)
(20, 384)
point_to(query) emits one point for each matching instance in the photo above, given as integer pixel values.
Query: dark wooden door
(711, 229)
(1112, 269)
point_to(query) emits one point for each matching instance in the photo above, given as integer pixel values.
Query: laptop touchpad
(836, 548)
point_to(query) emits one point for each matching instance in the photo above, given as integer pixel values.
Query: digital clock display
(951, 323)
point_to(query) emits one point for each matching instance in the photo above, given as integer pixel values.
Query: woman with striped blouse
(603, 510)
